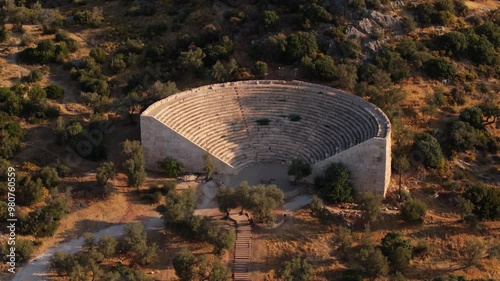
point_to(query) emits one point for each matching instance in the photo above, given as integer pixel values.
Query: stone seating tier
(222, 120)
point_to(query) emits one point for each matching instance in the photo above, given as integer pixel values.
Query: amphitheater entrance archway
(265, 173)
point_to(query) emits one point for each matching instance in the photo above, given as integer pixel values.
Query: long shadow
(442, 230)
(83, 226)
(429, 274)
(332, 274)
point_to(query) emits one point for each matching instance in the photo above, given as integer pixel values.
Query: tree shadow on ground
(83, 226)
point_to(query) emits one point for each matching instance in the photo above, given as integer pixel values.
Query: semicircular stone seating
(226, 120)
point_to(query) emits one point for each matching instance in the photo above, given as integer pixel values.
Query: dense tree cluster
(45, 52)
(394, 254)
(92, 18)
(87, 142)
(24, 250)
(468, 132)
(89, 73)
(295, 269)
(189, 266)
(476, 44)
(441, 12)
(178, 215)
(485, 201)
(260, 200)
(126, 56)
(11, 135)
(43, 221)
(92, 260)
(27, 102)
(398, 250)
(378, 87)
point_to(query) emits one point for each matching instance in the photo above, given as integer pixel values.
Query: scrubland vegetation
(76, 74)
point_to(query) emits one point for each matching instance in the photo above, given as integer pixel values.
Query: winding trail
(37, 268)
(242, 248)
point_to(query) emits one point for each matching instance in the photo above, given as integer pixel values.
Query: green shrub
(63, 36)
(398, 250)
(133, 162)
(105, 172)
(413, 211)
(300, 44)
(295, 269)
(30, 191)
(369, 204)
(442, 17)
(486, 201)
(463, 136)
(62, 263)
(92, 18)
(98, 54)
(316, 13)
(263, 121)
(357, 5)
(54, 92)
(481, 51)
(43, 221)
(221, 239)
(428, 150)
(473, 116)
(34, 75)
(223, 71)
(271, 19)
(260, 69)
(184, 263)
(391, 61)
(171, 167)
(491, 31)
(323, 67)
(424, 12)
(294, 117)
(117, 63)
(453, 42)
(440, 69)
(317, 206)
(335, 184)
(49, 177)
(11, 138)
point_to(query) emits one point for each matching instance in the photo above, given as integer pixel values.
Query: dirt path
(37, 269)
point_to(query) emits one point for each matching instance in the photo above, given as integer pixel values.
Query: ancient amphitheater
(309, 121)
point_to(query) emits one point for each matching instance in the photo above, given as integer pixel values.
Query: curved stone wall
(316, 123)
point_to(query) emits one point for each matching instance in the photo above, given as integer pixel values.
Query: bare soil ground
(305, 236)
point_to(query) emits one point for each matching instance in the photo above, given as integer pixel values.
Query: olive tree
(299, 169)
(105, 172)
(133, 162)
